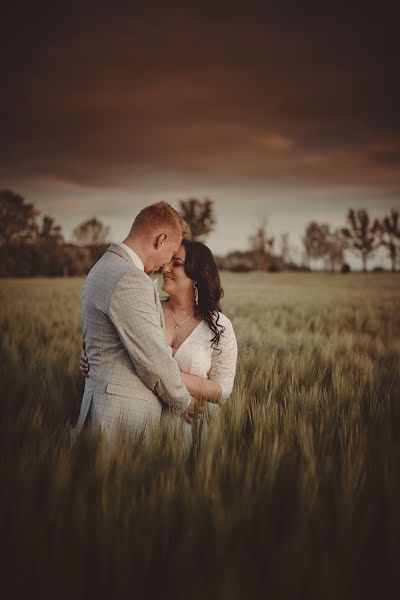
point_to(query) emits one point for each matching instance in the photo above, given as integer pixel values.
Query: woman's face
(175, 280)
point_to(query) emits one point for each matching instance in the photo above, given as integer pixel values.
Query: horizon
(241, 220)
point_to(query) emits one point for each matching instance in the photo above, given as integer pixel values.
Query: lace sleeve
(223, 362)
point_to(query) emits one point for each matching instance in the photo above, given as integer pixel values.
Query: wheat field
(295, 494)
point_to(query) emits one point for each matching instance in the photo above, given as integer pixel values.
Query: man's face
(168, 249)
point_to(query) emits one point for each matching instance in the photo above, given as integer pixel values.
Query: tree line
(31, 246)
(362, 236)
(34, 245)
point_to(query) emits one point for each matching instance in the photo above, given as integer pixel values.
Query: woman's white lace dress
(197, 356)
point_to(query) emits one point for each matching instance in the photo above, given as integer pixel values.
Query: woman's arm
(223, 362)
(218, 386)
(223, 368)
(202, 387)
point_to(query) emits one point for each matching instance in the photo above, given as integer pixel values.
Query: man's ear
(159, 240)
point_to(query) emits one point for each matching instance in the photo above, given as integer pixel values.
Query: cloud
(104, 97)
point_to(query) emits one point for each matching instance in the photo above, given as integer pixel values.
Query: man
(132, 371)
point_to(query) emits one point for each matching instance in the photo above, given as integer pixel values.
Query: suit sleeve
(135, 315)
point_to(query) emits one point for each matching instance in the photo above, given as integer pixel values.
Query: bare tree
(91, 232)
(389, 236)
(262, 246)
(199, 215)
(362, 234)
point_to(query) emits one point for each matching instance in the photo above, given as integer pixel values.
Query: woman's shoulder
(223, 320)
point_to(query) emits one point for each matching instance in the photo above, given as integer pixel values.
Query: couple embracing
(146, 359)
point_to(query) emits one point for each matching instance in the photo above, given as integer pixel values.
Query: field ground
(295, 495)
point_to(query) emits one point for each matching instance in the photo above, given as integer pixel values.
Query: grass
(295, 495)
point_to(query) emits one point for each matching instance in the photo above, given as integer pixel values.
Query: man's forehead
(181, 251)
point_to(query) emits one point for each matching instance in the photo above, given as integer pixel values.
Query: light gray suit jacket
(123, 330)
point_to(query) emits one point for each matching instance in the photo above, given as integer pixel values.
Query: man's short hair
(158, 216)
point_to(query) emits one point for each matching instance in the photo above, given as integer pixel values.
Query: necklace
(178, 324)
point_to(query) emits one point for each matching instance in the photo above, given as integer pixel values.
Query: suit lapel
(158, 303)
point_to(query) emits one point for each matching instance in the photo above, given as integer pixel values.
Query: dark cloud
(279, 92)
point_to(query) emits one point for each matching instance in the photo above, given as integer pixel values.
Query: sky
(281, 110)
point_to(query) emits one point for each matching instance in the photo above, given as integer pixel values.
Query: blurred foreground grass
(295, 495)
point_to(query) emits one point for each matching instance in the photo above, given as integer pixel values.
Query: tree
(262, 246)
(49, 232)
(238, 260)
(336, 244)
(48, 257)
(362, 234)
(285, 248)
(199, 215)
(320, 243)
(389, 236)
(91, 233)
(315, 240)
(17, 219)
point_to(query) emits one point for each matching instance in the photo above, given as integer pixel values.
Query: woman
(202, 339)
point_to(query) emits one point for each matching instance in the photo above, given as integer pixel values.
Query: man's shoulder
(112, 273)
(132, 281)
(132, 275)
(107, 271)
(116, 267)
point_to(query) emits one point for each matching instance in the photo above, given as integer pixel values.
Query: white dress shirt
(136, 260)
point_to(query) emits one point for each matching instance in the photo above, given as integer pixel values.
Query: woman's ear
(159, 240)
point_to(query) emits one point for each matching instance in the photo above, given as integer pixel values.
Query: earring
(196, 293)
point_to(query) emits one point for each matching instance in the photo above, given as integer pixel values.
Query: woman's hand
(84, 364)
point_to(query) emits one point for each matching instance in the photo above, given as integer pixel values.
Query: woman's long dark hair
(201, 267)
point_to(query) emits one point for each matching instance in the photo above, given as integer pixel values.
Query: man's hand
(194, 410)
(84, 363)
